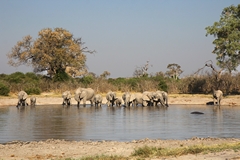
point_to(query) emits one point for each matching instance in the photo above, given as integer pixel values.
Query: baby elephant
(66, 98)
(33, 101)
(97, 100)
(217, 96)
(118, 102)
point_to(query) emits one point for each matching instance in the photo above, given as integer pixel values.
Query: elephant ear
(132, 98)
(25, 95)
(69, 96)
(76, 97)
(145, 98)
(83, 94)
(124, 96)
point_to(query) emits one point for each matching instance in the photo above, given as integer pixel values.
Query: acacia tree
(227, 34)
(53, 51)
(105, 74)
(174, 71)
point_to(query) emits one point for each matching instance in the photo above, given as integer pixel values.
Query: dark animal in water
(196, 112)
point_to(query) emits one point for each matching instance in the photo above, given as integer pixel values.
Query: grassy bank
(159, 152)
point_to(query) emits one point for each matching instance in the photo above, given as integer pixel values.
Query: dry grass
(146, 151)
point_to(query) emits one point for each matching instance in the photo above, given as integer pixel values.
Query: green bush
(16, 77)
(4, 90)
(61, 76)
(32, 76)
(33, 90)
(132, 82)
(86, 80)
(162, 85)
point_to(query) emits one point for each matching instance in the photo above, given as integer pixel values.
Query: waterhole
(117, 123)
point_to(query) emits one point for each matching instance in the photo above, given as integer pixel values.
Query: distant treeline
(36, 84)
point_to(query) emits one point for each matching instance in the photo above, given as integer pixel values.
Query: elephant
(111, 98)
(118, 101)
(128, 99)
(165, 97)
(147, 98)
(66, 98)
(22, 97)
(217, 95)
(138, 99)
(97, 100)
(162, 97)
(33, 101)
(84, 94)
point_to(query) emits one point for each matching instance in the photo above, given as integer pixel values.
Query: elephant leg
(214, 101)
(26, 104)
(69, 103)
(166, 104)
(155, 103)
(219, 102)
(162, 102)
(134, 103)
(91, 102)
(84, 103)
(112, 103)
(18, 104)
(23, 103)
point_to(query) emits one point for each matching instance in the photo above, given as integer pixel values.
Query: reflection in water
(117, 123)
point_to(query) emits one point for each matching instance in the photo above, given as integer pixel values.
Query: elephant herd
(147, 98)
(22, 97)
(128, 99)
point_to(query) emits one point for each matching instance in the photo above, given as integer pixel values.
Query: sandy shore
(60, 149)
(45, 99)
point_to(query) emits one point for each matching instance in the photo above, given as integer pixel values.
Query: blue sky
(124, 34)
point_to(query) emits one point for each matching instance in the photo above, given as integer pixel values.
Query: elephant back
(138, 97)
(66, 94)
(111, 96)
(87, 92)
(147, 96)
(22, 95)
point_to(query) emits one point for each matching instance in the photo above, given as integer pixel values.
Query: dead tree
(217, 73)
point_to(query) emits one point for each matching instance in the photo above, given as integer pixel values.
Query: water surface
(117, 123)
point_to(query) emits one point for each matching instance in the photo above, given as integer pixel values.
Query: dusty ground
(60, 149)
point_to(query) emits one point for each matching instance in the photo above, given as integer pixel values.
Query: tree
(105, 74)
(174, 71)
(141, 71)
(227, 34)
(53, 51)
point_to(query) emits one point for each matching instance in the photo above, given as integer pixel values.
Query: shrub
(61, 76)
(16, 77)
(86, 80)
(33, 90)
(32, 76)
(4, 90)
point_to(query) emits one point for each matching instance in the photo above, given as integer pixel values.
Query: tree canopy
(174, 71)
(227, 38)
(53, 51)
